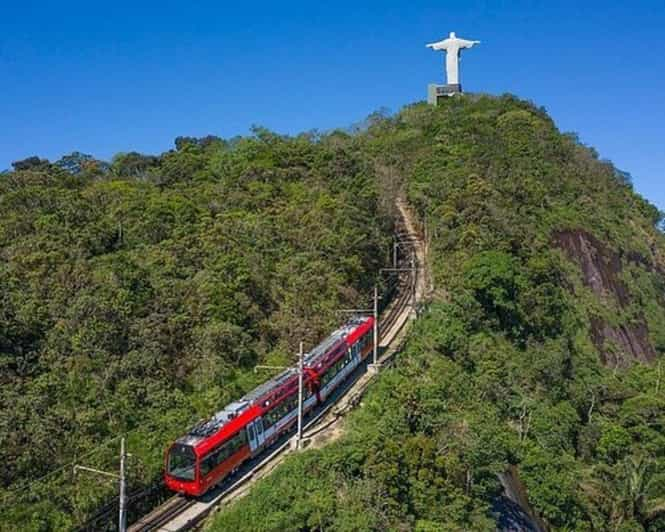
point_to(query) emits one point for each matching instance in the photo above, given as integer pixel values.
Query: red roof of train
(354, 335)
(229, 429)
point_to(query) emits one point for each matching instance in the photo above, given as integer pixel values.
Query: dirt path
(424, 285)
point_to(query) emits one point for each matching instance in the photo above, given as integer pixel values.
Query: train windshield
(182, 462)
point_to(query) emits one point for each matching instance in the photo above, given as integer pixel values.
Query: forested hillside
(137, 296)
(539, 354)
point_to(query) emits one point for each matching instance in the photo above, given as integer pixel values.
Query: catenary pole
(415, 280)
(122, 517)
(122, 513)
(396, 245)
(376, 324)
(300, 394)
(301, 371)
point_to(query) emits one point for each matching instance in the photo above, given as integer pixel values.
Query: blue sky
(105, 77)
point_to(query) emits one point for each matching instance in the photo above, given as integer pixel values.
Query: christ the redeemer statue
(452, 46)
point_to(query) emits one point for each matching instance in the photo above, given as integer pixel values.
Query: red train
(215, 448)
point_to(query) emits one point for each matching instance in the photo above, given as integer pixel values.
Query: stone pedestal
(436, 92)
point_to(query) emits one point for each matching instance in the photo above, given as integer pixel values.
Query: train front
(181, 472)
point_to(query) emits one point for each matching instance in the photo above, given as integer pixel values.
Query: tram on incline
(215, 448)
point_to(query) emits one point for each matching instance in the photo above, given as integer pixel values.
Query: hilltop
(537, 363)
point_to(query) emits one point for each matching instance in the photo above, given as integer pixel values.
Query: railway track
(180, 513)
(175, 506)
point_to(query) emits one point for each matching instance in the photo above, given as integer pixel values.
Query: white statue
(452, 45)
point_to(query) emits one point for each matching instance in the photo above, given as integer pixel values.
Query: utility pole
(415, 279)
(374, 311)
(122, 514)
(414, 271)
(301, 371)
(300, 394)
(397, 244)
(376, 324)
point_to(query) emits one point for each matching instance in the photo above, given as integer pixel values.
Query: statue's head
(452, 35)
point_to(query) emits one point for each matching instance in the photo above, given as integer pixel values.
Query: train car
(217, 447)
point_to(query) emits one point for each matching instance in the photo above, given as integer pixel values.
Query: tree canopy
(137, 297)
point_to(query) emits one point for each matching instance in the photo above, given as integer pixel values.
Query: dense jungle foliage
(136, 297)
(539, 351)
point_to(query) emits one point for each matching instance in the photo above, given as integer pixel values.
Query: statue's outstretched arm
(467, 44)
(441, 45)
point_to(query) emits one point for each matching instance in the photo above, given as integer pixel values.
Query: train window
(220, 454)
(280, 411)
(181, 462)
(268, 419)
(208, 464)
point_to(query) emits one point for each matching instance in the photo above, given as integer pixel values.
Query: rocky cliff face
(618, 345)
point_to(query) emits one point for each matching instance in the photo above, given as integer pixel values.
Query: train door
(258, 425)
(255, 434)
